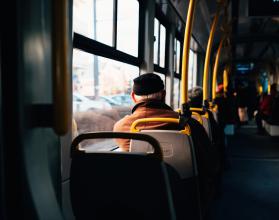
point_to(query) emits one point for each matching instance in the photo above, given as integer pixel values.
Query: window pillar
(148, 43)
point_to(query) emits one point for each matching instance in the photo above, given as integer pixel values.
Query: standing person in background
(265, 107)
(251, 99)
(242, 101)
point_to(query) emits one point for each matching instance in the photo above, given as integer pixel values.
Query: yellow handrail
(225, 79)
(215, 70)
(199, 117)
(186, 50)
(197, 109)
(208, 52)
(201, 111)
(168, 120)
(61, 76)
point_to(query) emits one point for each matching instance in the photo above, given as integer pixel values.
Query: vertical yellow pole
(208, 51)
(186, 50)
(215, 70)
(225, 79)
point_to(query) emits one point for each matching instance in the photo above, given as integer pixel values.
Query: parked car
(123, 99)
(111, 101)
(82, 103)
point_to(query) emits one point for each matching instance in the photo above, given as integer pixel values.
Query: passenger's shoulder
(122, 123)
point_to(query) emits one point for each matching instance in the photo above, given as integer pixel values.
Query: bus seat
(118, 185)
(197, 117)
(215, 115)
(205, 121)
(207, 126)
(177, 150)
(179, 155)
(271, 129)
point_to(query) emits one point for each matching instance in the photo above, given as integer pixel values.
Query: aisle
(251, 185)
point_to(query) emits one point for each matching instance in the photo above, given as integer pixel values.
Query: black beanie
(147, 83)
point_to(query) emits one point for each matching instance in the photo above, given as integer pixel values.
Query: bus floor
(250, 188)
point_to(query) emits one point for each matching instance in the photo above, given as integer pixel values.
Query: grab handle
(125, 135)
(167, 120)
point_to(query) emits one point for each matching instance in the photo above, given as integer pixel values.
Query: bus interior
(67, 70)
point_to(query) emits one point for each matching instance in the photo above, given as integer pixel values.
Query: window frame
(162, 21)
(95, 47)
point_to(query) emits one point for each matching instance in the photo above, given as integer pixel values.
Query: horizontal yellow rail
(201, 111)
(196, 109)
(167, 120)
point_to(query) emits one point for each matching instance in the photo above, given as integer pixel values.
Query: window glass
(192, 70)
(178, 47)
(174, 55)
(128, 26)
(101, 91)
(156, 40)
(94, 19)
(177, 57)
(162, 45)
(176, 92)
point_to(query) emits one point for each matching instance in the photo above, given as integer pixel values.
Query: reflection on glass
(128, 26)
(94, 19)
(156, 40)
(162, 45)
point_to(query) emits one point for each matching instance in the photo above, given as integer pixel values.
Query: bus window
(192, 70)
(159, 43)
(94, 19)
(177, 58)
(128, 19)
(97, 106)
(176, 92)
(162, 45)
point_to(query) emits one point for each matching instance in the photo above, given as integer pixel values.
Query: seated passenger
(149, 96)
(218, 137)
(265, 107)
(195, 97)
(226, 107)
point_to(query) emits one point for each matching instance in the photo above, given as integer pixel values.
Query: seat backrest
(116, 185)
(177, 150)
(206, 123)
(179, 155)
(207, 126)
